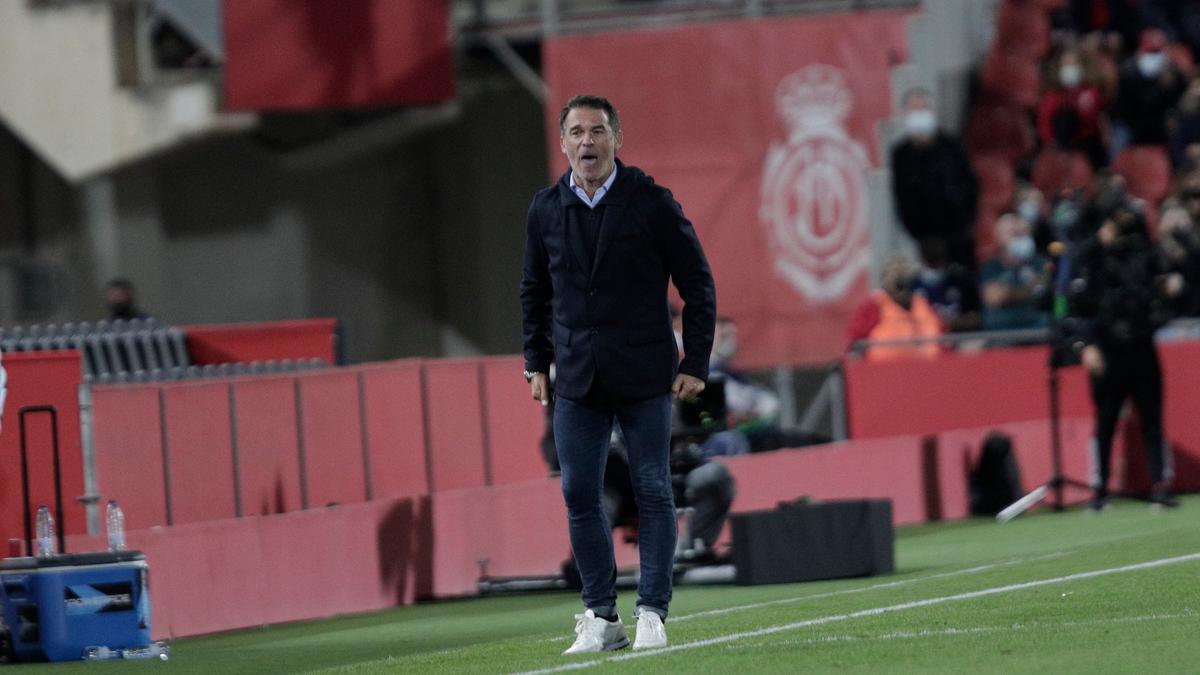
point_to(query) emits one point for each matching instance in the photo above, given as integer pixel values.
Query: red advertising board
(764, 130)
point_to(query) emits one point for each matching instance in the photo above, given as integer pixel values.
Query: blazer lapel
(568, 199)
(609, 225)
(614, 208)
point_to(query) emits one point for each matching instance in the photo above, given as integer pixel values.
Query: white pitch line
(862, 589)
(907, 635)
(816, 596)
(875, 611)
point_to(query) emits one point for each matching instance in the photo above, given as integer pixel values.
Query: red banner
(764, 130)
(304, 54)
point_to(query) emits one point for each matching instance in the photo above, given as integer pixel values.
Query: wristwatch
(530, 373)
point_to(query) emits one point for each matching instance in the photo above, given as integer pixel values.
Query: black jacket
(1118, 291)
(606, 314)
(935, 188)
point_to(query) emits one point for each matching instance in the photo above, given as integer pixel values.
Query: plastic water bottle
(45, 533)
(115, 521)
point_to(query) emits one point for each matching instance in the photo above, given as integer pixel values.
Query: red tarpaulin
(764, 130)
(303, 54)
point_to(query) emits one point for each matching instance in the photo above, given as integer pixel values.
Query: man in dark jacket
(1121, 291)
(935, 188)
(602, 245)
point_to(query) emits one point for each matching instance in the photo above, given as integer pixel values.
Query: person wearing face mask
(935, 189)
(121, 300)
(1183, 129)
(949, 288)
(895, 312)
(1014, 282)
(1120, 294)
(1148, 89)
(1071, 113)
(1179, 241)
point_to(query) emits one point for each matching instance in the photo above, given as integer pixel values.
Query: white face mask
(1151, 64)
(1029, 211)
(920, 122)
(1070, 75)
(724, 351)
(1021, 248)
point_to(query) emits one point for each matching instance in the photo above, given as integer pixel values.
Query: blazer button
(595, 331)
(592, 292)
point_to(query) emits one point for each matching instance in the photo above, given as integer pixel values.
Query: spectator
(1071, 112)
(745, 400)
(1148, 89)
(1014, 282)
(752, 410)
(121, 298)
(1123, 17)
(1183, 129)
(1189, 194)
(895, 312)
(1180, 244)
(949, 288)
(1030, 204)
(935, 188)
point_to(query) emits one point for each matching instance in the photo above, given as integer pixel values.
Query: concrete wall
(59, 91)
(416, 244)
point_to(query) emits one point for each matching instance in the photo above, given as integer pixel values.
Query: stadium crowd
(1082, 109)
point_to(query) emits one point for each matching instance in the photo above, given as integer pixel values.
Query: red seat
(1146, 170)
(985, 236)
(1012, 76)
(1181, 56)
(1003, 130)
(1023, 28)
(1057, 170)
(996, 181)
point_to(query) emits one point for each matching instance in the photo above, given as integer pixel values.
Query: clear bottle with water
(115, 522)
(44, 547)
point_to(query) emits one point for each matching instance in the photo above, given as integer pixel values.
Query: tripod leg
(1023, 504)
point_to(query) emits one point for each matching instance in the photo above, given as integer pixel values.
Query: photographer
(1121, 290)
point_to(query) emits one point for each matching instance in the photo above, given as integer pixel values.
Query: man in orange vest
(894, 312)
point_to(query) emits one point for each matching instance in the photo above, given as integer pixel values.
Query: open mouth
(588, 160)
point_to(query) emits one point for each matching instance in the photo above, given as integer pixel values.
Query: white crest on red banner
(814, 195)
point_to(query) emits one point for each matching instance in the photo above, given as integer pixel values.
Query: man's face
(590, 144)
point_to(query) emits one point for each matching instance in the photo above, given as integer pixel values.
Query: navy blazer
(611, 319)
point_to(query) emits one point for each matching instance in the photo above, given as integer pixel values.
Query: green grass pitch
(1049, 593)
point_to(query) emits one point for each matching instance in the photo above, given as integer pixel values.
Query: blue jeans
(582, 432)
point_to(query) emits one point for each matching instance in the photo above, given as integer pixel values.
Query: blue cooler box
(55, 608)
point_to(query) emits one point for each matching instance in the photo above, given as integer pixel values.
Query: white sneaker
(594, 634)
(651, 633)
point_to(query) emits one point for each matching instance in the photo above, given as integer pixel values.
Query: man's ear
(618, 139)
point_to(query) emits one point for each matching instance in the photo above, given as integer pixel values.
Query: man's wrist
(529, 374)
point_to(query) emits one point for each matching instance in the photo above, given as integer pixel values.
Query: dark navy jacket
(610, 318)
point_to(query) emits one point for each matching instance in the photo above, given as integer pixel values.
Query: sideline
(875, 611)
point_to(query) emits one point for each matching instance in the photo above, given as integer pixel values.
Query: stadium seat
(1023, 28)
(1055, 170)
(985, 239)
(1012, 76)
(1181, 56)
(1147, 172)
(996, 181)
(1000, 129)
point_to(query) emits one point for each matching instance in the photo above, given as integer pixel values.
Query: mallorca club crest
(814, 198)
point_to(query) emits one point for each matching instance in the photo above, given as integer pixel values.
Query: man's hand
(687, 387)
(540, 388)
(1093, 360)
